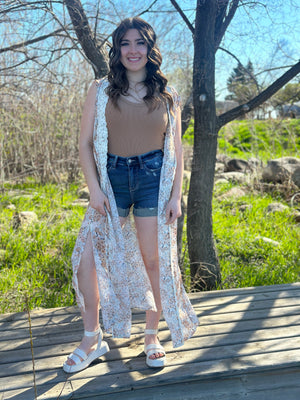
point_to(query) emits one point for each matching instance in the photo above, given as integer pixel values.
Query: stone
(234, 192)
(281, 169)
(220, 181)
(236, 177)
(245, 207)
(276, 207)
(24, 219)
(296, 216)
(236, 164)
(219, 167)
(267, 240)
(11, 207)
(296, 176)
(84, 193)
(81, 203)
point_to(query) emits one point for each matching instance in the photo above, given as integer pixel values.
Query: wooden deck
(247, 347)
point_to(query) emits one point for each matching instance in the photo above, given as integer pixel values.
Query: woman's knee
(152, 265)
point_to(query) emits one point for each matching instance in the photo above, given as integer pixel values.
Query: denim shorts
(135, 182)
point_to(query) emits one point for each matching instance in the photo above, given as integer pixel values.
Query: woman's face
(133, 51)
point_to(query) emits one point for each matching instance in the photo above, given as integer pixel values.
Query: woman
(131, 157)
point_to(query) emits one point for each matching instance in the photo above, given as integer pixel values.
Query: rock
(296, 216)
(296, 176)
(233, 192)
(280, 169)
(84, 193)
(11, 207)
(219, 167)
(81, 203)
(267, 240)
(236, 177)
(220, 181)
(24, 219)
(236, 164)
(276, 207)
(245, 207)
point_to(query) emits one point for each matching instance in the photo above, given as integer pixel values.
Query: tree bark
(205, 269)
(95, 52)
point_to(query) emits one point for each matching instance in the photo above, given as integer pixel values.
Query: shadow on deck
(247, 346)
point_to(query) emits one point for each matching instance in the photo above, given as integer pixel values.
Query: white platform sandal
(83, 360)
(153, 349)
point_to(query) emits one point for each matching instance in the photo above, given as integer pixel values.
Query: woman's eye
(124, 44)
(141, 43)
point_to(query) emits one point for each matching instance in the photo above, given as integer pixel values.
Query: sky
(266, 33)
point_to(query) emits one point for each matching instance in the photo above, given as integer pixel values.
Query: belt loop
(141, 162)
(115, 161)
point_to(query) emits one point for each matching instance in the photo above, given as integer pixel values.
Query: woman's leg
(147, 236)
(87, 281)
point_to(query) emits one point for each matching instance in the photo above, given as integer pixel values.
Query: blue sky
(266, 33)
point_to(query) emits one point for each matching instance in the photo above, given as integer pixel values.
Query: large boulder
(281, 169)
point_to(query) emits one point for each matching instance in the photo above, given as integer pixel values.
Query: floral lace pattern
(122, 278)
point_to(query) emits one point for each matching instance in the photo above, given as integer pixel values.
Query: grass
(245, 258)
(35, 261)
(254, 138)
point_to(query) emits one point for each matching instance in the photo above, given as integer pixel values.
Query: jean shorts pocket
(153, 164)
(110, 165)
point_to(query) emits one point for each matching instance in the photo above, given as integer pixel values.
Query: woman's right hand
(99, 201)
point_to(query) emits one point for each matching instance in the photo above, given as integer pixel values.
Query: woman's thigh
(147, 236)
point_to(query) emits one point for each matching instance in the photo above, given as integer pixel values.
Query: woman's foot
(91, 347)
(88, 344)
(156, 355)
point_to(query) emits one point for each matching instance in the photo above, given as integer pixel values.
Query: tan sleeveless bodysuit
(132, 129)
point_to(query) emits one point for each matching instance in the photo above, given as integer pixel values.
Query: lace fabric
(122, 278)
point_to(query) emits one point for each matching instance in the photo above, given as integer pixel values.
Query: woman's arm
(173, 210)
(86, 157)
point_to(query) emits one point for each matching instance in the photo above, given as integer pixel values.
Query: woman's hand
(173, 210)
(99, 201)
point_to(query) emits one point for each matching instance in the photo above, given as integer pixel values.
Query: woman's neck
(136, 77)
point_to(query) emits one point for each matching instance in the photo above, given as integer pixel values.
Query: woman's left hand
(173, 210)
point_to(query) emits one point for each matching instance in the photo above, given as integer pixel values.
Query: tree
(212, 20)
(242, 84)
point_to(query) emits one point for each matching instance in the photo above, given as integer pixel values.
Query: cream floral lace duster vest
(122, 278)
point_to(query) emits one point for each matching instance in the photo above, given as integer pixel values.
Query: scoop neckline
(123, 98)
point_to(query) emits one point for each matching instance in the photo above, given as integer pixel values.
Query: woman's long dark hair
(155, 80)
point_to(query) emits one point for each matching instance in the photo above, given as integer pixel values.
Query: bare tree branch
(96, 54)
(184, 17)
(242, 66)
(223, 25)
(31, 41)
(259, 99)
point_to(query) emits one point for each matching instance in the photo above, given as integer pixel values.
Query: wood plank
(245, 337)
(126, 345)
(102, 381)
(238, 295)
(278, 307)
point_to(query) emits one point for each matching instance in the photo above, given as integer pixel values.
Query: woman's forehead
(132, 34)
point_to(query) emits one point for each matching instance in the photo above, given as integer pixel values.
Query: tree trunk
(205, 269)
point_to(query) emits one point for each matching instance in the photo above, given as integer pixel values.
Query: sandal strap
(91, 334)
(154, 348)
(151, 331)
(80, 353)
